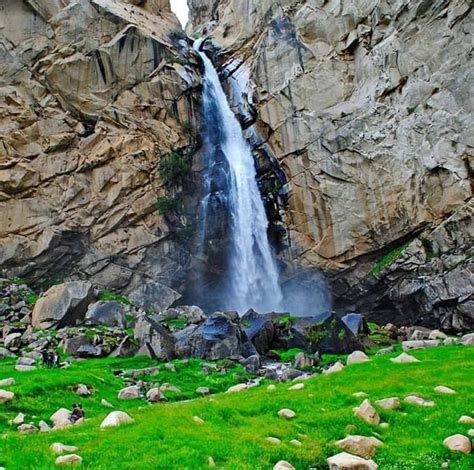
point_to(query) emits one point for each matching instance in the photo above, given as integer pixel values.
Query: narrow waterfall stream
(230, 180)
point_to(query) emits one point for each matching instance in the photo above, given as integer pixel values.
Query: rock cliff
(367, 109)
(93, 93)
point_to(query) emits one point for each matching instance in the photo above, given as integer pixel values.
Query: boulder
(252, 363)
(89, 350)
(5, 353)
(19, 419)
(404, 358)
(166, 387)
(367, 412)
(356, 323)
(72, 345)
(61, 418)
(357, 357)
(44, 426)
(58, 448)
(237, 388)
(12, 341)
(290, 374)
(360, 445)
(109, 313)
(389, 403)
(63, 305)
(445, 390)
(458, 443)
(437, 334)
(345, 461)
(27, 429)
(337, 367)
(325, 333)
(283, 465)
(259, 329)
(83, 390)
(303, 361)
(466, 420)
(419, 344)
(7, 382)
(155, 395)
(286, 413)
(467, 340)
(127, 348)
(69, 459)
(6, 396)
(116, 418)
(129, 393)
(153, 296)
(154, 339)
(416, 400)
(218, 337)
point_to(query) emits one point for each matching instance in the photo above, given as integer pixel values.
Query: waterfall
(230, 181)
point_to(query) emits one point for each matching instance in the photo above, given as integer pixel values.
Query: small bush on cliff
(388, 259)
(167, 204)
(110, 295)
(173, 167)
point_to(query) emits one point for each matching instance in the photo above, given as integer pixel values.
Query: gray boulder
(154, 296)
(63, 305)
(217, 338)
(110, 313)
(72, 345)
(356, 323)
(259, 330)
(12, 341)
(154, 339)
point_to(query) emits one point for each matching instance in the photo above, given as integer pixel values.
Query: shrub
(110, 295)
(388, 259)
(166, 204)
(174, 167)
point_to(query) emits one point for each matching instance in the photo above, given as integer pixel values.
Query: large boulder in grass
(259, 329)
(63, 305)
(325, 333)
(154, 339)
(109, 313)
(219, 337)
(153, 296)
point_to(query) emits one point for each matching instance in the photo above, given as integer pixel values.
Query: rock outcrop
(93, 94)
(365, 108)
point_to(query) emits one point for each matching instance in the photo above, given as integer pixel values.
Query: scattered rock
(299, 386)
(203, 391)
(154, 296)
(283, 465)
(437, 334)
(69, 459)
(387, 350)
(5, 353)
(296, 443)
(360, 445)
(211, 462)
(391, 403)
(166, 387)
(367, 412)
(271, 387)
(303, 361)
(27, 429)
(467, 340)
(198, 420)
(345, 461)
(155, 395)
(286, 413)
(404, 358)
(171, 367)
(470, 433)
(19, 419)
(7, 382)
(61, 418)
(58, 448)
(337, 367)
(466, 420)
(23, 368)
(12, 341)
(83, 390)
(116, 418)
(416, 400)
(445, 390)
(237, 388)
(259, 329)
(458, 443)
(290, 374)
(360, 394)
(421, 344)
(273, 440)
(357, 357)
(44, 426)
(6, 396)
(106, 403)
(450, 341)
(109, 313)
(129, 393)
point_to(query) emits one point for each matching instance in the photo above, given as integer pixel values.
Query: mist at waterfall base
(232, 215)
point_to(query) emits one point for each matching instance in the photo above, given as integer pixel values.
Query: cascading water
(230, 180)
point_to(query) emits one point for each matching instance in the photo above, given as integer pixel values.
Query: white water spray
(252, 277)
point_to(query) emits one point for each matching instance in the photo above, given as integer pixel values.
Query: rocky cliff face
(366, 107)
(93, 93)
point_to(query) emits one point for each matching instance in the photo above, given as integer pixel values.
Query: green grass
(388, 259)
(289, 355)
(106, 295)
(164, 436)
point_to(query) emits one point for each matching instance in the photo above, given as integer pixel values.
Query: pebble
(443, 389)
(286, 413)
(298, 386)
